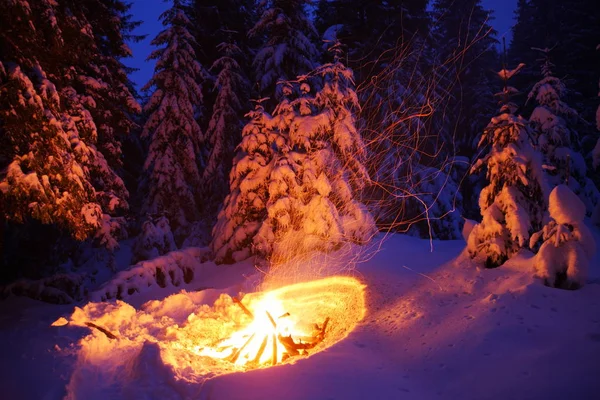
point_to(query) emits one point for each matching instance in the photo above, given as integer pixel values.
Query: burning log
(243, 307)
(237, 353)
(272, 320)
(274, 361)
(261, 350)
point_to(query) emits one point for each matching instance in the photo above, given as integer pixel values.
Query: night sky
(149, 11)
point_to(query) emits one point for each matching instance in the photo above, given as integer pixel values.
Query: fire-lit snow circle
(232, 341)
(197, 341)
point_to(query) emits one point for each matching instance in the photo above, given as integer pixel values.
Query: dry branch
(108, 333)
(243, 307)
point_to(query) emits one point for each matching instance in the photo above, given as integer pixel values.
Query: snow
(568, 244)
(436, 327)
(565, 207)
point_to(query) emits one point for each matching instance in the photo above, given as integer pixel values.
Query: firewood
(108, 333)
(243, 307)
(272, 320)
(235, 355)
(289, 344)
(274, 361)
(261, 349)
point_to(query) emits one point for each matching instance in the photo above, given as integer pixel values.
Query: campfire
(289, 322)
(268, 340)
(196, 340)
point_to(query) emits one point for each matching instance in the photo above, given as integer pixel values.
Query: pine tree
(225, 124)
(244, 208)
(221, 26)
(173, 166)
(555, 139)
(287, 38)
(67, 85)
(513, 203)
(44, 179)
(596, 160)
(390, 24)
(221, 21)
(104, 77)
(217, 22)
(314, 199)
(296, 182)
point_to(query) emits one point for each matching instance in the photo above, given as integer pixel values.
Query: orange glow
(230, 340)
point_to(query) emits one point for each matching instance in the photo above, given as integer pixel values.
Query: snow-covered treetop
(549, 90)
(288, 48)
(565, 206)
(507, 74)
(546, 61)
(506, 106)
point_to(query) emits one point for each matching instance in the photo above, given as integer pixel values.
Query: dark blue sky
(148, 11)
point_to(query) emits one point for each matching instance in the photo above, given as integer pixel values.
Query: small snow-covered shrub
(156, 239)
(568, 246)
(112, 229)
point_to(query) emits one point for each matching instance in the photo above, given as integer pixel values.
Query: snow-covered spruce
(69, 103)
(304, 194)
(555, 140)
(432, 202)
(47, 179)
(225, 124)
(405, 120)
(173, 166)
(288, 44)
(568, 246)
(244, 207)
(513, 204)
(462, 31)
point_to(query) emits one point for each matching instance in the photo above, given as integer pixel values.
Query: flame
(301, 312)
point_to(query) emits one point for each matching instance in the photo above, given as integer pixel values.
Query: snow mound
(172, 269)
(565, 206)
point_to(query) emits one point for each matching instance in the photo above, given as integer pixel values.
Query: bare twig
(108, 333)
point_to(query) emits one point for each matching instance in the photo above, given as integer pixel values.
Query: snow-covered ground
(436, 327)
